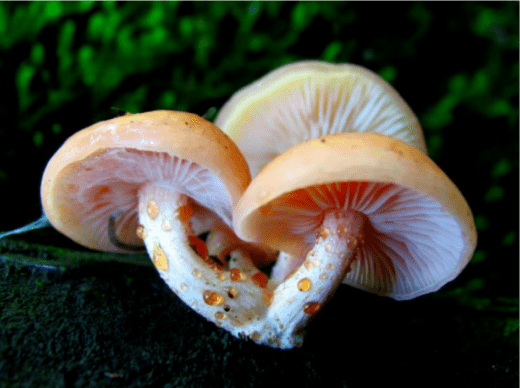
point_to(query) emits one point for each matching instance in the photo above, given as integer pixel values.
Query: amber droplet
(331, 267)
(159, 258)
(305, 284)
(185, 213)
(308, 264)
(220, 315)
(260, 279)
(232, 292)
(342, 231)
(323, 232)
(152, 209)
(212, 298)
(140, 231)
(221, 276)
(311, 308)
(323, 276)
(237, 275)
(197, 273)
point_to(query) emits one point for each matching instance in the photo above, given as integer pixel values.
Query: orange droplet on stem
(311, 308)
(260, 279)
(305, 284)
(237, 275)
(212, 298)
(185, 213)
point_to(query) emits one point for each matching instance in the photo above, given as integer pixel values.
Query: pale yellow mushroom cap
(419, 231)
(309, 99)
(98, 171)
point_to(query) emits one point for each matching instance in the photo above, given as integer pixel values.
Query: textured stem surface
(236, 296)
(233, 297)
(304, 292)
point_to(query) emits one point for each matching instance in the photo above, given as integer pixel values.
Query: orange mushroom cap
(98, 171)
(419, 231)
(307, 99)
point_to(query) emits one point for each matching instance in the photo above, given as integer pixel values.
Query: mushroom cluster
(343, 193)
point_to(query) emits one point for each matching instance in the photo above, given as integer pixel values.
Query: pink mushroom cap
(98, 171)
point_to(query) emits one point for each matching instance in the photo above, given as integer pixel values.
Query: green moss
(494, 193)
(510, 238)
(254, 8)
(511, 328)
(479, 256)
(37, 53)
(303, 13)
(87, 64)
(38, 139)
(23, 79)
(501, 168)
(482, 222)
(332, 51)
(64, 50)
(56, 128)
(435, 143)
(389, 73)
(52, 10)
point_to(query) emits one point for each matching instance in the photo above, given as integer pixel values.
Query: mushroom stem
(233, 296)
(238, 297)
(304, 291)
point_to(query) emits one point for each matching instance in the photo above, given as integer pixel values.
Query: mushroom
(100, 174)
(308, 99)
(359, 208)
(161, 178)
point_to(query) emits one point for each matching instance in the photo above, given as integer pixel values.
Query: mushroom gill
(411, 242)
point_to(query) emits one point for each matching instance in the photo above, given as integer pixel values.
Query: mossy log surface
(118, 325)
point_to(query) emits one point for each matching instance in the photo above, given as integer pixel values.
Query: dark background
(64, 65)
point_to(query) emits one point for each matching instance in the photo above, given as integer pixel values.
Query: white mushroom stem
(238, 297)
(233, 297)
(304, 292)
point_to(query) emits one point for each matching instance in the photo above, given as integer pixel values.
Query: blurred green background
(64, 65)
